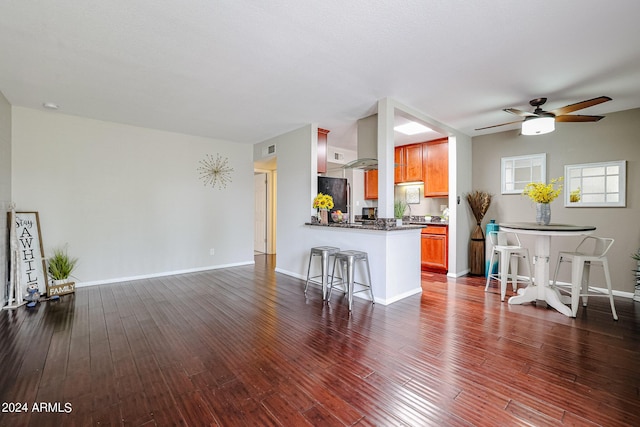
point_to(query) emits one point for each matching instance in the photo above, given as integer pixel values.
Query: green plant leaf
(398, 209)
(61, 265)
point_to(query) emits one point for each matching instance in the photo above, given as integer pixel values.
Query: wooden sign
(60, 289)
(31, 262)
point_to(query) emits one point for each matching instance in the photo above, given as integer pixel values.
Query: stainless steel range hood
(364, 164)
(367, 145)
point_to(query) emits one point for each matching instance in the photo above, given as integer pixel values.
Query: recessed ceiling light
(50, 105)
(412, 128)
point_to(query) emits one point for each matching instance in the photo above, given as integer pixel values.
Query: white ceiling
(246, 70)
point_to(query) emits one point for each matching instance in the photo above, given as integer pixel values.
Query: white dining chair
(591, 251)
(508, 250)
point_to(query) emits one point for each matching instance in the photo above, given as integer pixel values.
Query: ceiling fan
(541, 121)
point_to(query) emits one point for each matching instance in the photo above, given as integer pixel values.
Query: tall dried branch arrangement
(479, 202)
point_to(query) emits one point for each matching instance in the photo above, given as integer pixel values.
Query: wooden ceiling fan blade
(580, 105)
(578, 118)
(519, 112)
(502, 124)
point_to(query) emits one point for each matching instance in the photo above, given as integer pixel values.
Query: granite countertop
(374, 226)
(435, 220)
(388, 224)
(415, 220)
(425, 223)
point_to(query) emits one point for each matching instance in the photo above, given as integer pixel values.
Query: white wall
(127, 200)
(296, 187)
(613, 138)
(460, 178)
(347, 156)
(5, 188)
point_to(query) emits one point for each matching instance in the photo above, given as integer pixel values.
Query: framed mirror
(518, 171)
(595, 184)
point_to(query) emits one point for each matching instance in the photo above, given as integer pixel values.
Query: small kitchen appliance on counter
(369, 216)
(369, 213)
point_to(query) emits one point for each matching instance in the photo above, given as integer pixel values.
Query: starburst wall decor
(215, 171)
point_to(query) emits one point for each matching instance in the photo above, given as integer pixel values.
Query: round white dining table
(540, 289)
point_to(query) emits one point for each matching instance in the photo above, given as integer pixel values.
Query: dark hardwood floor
(243, 346)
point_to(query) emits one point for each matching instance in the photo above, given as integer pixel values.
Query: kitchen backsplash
(426, 206)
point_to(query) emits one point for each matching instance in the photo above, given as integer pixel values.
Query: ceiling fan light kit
(540, 121)
(538, 125)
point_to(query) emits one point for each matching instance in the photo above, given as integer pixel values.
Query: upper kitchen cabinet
(436, 168)
(371, 184)
(409, 163)
(322, 150)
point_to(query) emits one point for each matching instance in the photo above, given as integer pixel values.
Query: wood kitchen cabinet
(410, 163)
(371, 184)
(322, 150)
(434, 248)
(436, 168)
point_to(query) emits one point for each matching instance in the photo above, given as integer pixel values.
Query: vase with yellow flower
(543, 194)
(574, 196)
(323, 202)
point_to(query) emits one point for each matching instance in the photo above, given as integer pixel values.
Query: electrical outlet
(212, 251)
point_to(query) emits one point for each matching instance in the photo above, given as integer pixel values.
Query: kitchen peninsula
(394, 254)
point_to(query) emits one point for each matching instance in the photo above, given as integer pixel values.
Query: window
(519, 171)
(595, 184)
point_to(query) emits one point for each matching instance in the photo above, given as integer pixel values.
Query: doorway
(260, 209)
(265, 177)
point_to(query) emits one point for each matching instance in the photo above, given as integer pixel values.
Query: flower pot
(476, 252)
(543, 213)
(324, 216)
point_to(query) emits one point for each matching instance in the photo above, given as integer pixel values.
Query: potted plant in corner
(61, 265)
(398, 211)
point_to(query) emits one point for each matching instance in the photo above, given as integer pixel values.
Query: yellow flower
(323, 201)
(543, 193)
(329, 201)
(574, 196)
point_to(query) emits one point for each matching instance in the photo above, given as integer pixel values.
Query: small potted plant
(61, 265)
(398, 211)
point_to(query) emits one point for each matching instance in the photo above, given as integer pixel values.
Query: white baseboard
(458, 274)
(399, 297)
(363, 295)
(621, 294)
(291, 273)
(162, 274)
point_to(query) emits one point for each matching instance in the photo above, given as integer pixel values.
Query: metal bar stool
(590, 252)
(508, 252)
(346, 261)
(324, 252)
